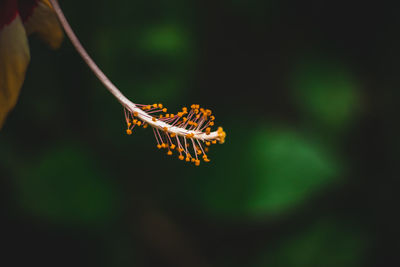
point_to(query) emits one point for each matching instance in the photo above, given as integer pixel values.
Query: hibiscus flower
(18, 19)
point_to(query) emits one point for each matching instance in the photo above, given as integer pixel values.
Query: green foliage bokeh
(307, 93)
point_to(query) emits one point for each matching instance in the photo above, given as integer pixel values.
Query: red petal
(8, 11)
(26, 7)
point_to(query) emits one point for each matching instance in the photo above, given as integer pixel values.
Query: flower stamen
(171, 131)
(169, 125)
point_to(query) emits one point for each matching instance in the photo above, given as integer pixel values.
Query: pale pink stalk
(137, 111)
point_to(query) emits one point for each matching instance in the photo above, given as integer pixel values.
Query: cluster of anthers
(188, 132)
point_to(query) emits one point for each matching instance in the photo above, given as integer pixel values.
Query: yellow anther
(208, 130)
(128, 131)
(196, 111)
(145, 125)
(180, 114)
(148, 106)
(221, 135)
(184, 119)
(164, 145)
(187, 159)
(184, 109)
(167, 115)
(135, 114)
(129, 124)
(197, 162)
(164, 109)
(169, 153)
(208, 143)
(206, 149)
(155, 105)
(193, 106)
(134, 121)
(212, 118)
(165, 129)
(161, 116)
(206, 159)
(197, 116)
(197, 106)
(181, 157)
(159, 146)
(195, 124)
(153, 119)
(172, 146)
(160, 106)
(193, 159)
(209, 112)
(199, 152)
(139, 123)
(211, 123)
(214, 141)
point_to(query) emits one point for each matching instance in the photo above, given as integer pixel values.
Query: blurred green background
(308, 94)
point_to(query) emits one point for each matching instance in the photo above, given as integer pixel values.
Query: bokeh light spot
(263, 172)
(327, 93)
(327, 243)
(67, 186)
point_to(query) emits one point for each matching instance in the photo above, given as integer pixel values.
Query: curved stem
(198, 134)
(89, 61)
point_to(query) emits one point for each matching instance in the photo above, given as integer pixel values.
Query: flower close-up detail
(114, 118)
(187, 132)
(184, 132)
(18, 19)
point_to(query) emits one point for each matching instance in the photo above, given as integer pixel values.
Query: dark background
(307, 92)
